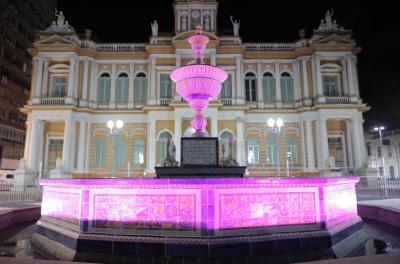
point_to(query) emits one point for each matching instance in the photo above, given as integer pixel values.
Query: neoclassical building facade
(78, 85)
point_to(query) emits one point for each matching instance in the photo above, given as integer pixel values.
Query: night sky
(375, 29)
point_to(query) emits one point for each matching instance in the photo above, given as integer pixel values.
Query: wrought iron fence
(20, 192)
(369, 188)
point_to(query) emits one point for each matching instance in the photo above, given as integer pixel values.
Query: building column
(153, 77)
(76, 75)
(355, 74)
(296, 81)
(178, 136)
(131, 85)
(318, 75)
(346, 91)
(38, 76)
(358, 142)
(178, 57)
(213, 58)
(323, 136)
(305, 78)
(240, 142)
(350, 75)
(310, 145)
(81, 146)
(151, 145)
(112, 91)
(349, 144)
(93, 86)
(83, 101)
(71, 78)
(239, 82)
(33, 144)
(88, 139)
(278, 86)
(68, 143)
(28, 136)
(214, 126)
(260, 97)
(45, 91)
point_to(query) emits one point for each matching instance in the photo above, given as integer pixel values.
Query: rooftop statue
(154, 28)
(236, 25)
(328, 24)
(60, 18)
(60, 25)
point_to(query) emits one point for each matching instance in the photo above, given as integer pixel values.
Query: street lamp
(275, 127)
(379, 129)
(115, 129)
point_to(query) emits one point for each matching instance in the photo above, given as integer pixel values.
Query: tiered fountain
(245, 218)
(198, 84)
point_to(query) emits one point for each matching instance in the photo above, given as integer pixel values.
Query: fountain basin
(195, 212)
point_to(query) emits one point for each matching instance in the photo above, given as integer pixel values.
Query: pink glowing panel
(341, 203)
(143, 211)
(183, 205)
(242, 210)
(63, 204)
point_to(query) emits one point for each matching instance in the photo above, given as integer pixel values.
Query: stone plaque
(199, 151)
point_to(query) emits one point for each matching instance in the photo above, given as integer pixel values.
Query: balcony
(165, 101)
(336, 100)
(226, 101)
(53, 101)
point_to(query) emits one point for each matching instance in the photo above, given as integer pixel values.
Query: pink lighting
(189, 206)
(198, 83)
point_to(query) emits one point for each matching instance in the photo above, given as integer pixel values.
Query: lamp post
(275, 126)
(115, 129)
(379, 129)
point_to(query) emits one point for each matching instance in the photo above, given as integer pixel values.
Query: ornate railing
(53, 101)
(121, 47)
(165, 101)
(276, 46)
(337, 100)
(226, 101)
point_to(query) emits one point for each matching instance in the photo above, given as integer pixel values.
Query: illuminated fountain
(199, 83)
(197, 217)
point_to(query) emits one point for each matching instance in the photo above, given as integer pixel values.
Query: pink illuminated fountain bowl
(198, 83)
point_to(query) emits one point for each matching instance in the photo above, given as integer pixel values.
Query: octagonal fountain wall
(199, 207)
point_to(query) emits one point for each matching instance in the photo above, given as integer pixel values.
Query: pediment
(55, 40)
(335, 39)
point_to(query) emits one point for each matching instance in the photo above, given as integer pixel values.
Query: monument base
(200, 172)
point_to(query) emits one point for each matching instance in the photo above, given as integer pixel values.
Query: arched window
(165, 86)
(250, 83)
(368, 149)
(291, 150)
(122, 88)
(329, 84)
(226, 90)
(391, 171)
(253, 153)
(100, 151)
(60, 86)
(103, 94)
(287, 87)
(162, 145)
(380, 171)
(140, 88)
(379, 152)
(271, 150)
(120, 152)
(268, 83)
(226, 142)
